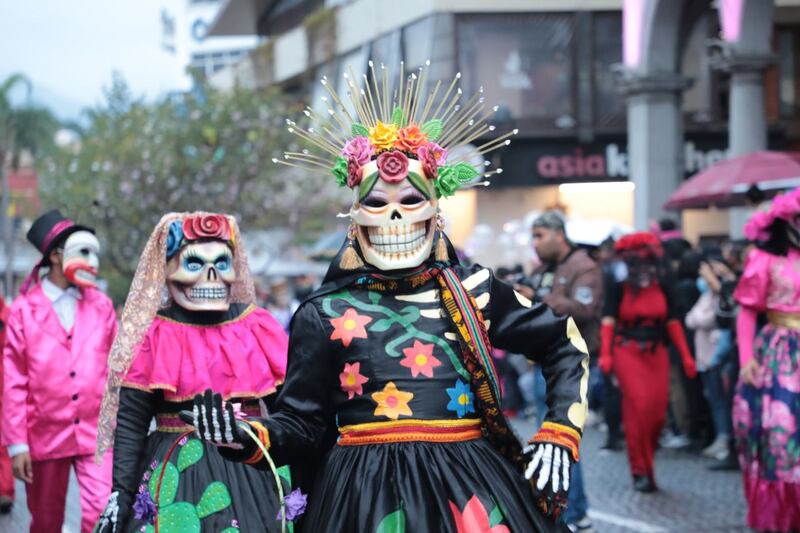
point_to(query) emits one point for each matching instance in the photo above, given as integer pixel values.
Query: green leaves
(420, 183)
(393, 523)
(359, 130)
(178, 518)
(366, 185)
(339, 171)
(190, 453)
(397, 117)
(432, 128)
(495, 517)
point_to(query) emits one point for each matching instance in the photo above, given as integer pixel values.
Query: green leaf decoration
(393, 523)
(420, 183)
(366, 185)
(150, 529)
(495, 517)
(447, 183)
(286, 474)
(230, 530)
(190, 453)
(397, 117)
(432, 128)
(178, 518)
(381, 325)
(359, 130)
(374, 297)
(465, 172)
(339, 171)
(169, 485)
(215, 498)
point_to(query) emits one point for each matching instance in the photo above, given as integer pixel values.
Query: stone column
(655, 140)
(747, 127)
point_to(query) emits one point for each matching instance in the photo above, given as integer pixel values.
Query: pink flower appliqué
(351, 380)
(777, 415)
(360, 149)
(786, 206)
(757, 227)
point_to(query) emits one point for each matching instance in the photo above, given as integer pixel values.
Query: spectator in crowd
(6, 475)
(281, 302)
(570, 282)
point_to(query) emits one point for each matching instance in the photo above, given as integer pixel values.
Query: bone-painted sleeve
(302, 416)
(531, 328)
(136, 409)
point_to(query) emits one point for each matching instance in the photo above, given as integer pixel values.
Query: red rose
(429, 164)
(392, 166)
(354, 173)
(207, 227)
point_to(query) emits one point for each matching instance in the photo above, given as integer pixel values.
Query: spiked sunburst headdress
(402, 123)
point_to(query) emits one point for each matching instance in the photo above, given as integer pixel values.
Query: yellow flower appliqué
(392, 402)
(383, 136)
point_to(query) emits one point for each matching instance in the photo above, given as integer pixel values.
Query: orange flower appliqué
(419, 358)
(475, 519)
(410, 138)
(352, 380)
(349, 326)
(392, 402)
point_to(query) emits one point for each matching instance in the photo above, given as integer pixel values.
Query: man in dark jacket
(569, 282)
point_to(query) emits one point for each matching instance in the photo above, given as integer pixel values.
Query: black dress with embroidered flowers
(375, 359)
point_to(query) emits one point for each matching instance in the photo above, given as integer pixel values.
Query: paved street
(691, 499)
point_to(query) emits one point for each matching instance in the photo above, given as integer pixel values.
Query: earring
(350, 259)
(441, 245)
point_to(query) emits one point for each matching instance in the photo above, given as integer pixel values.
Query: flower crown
(642, 244)
(198, 227)
(785, 207)
(389, 127)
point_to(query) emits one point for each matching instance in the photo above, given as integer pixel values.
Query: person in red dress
(637, 322)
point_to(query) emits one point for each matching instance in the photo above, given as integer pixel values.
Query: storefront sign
(542, 162)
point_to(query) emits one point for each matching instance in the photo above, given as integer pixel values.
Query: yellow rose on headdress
(383, 136)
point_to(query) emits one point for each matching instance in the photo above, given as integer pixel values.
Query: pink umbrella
(725, 183)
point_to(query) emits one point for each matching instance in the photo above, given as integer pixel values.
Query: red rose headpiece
(642, 244)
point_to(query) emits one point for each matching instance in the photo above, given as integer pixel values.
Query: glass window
(609, 104)
(417, 42)
(524, 62)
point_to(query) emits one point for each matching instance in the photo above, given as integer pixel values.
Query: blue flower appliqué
(461, 399)
(174, 238)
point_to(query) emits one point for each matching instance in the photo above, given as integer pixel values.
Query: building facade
(557, 71)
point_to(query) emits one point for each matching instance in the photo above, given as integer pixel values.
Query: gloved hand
(548, 472)
(215, 422)
(678, 338)
(113, 517)
(606, 361)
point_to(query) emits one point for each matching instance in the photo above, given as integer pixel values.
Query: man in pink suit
(58, 335)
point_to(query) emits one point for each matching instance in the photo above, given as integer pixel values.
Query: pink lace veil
(145, 298)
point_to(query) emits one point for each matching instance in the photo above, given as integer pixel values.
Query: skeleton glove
(110, 517)
(549, 474)
(215, 422)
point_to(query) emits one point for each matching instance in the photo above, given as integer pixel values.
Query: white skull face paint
(396, 221)
(81, 251)
(201, 276)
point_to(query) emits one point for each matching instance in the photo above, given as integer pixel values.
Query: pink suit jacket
(54, 379)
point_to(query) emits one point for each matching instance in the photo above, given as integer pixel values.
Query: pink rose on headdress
(207, 227)
(432, 156)
(757, 228)
(392, 166)
(786, 206)
(360, 149)
(354, 172)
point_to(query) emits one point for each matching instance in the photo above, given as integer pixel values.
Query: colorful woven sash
(468, 322)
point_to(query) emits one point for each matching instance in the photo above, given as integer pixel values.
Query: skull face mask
(201, 276)
(81, 261)
(395, 220)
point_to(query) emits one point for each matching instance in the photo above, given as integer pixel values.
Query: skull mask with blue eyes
(201, 275)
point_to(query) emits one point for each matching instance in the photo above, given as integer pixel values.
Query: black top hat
(50, 229)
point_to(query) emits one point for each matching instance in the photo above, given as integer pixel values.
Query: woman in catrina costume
(392, 353)
(190, 323)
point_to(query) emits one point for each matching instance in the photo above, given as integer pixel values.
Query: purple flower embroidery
(146, 476)
(144, 508)
(235, 523)
(295, 503)
(183, 441)
(153, 465)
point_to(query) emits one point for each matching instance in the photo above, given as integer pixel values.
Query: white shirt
(65, 304)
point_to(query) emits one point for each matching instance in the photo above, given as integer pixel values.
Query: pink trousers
(6, 475)
(47, 495)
